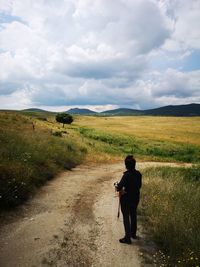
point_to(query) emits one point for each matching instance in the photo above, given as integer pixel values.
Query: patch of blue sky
(173, 60)
(192, 62)
(165, 61)
(8, 18)
(2, 51)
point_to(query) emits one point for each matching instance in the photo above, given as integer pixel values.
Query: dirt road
(71, 221)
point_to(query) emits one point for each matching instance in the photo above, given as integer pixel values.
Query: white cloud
(176, 83)
(16, 100)
(186, 34)
(84, 52)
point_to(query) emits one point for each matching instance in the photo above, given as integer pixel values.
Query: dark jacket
(131, 182)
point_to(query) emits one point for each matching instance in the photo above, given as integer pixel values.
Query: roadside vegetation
(170, 203)
(31, 152)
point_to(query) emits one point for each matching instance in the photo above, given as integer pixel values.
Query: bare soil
(72, 221)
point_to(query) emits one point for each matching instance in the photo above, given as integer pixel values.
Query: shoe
(125, 240)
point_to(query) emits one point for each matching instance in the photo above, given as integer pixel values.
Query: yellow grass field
(176, 129)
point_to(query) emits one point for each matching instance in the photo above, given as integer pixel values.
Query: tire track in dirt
(78, 247)
(55, 227)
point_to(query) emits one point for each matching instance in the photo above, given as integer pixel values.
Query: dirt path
(70, 222)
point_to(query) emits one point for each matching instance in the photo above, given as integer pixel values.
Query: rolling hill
(81, 111)
(179, 110)
(122, 111)
(34, 110)
(176, 110)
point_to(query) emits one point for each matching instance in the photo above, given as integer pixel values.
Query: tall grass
(30, 157)
(151, 149)
(170, 202)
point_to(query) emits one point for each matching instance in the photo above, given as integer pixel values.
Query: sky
(99, 54)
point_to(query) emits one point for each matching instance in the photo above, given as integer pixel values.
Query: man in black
(129, 189)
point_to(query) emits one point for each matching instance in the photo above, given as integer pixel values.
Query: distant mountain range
(178, 110)
(122, 111)
(34, 110)
(81, 111)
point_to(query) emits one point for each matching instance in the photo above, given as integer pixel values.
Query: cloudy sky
(100, 54)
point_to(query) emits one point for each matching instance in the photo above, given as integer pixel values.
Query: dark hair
(130, 162)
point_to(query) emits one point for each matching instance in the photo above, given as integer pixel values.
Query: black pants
(129, 211)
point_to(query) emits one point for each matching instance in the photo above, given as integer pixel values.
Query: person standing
(129, 192)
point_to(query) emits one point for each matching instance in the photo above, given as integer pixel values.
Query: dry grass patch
(180, 129)
(170, 202)
(30, 157)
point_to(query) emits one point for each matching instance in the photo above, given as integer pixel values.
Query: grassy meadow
(148, 138)
(29, 157)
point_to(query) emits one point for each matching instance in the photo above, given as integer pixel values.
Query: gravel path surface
(71, 221)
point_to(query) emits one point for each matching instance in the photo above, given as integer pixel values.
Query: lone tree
(64, 118)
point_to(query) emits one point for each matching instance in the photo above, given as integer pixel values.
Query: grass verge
(29, 157)
(170, 202)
